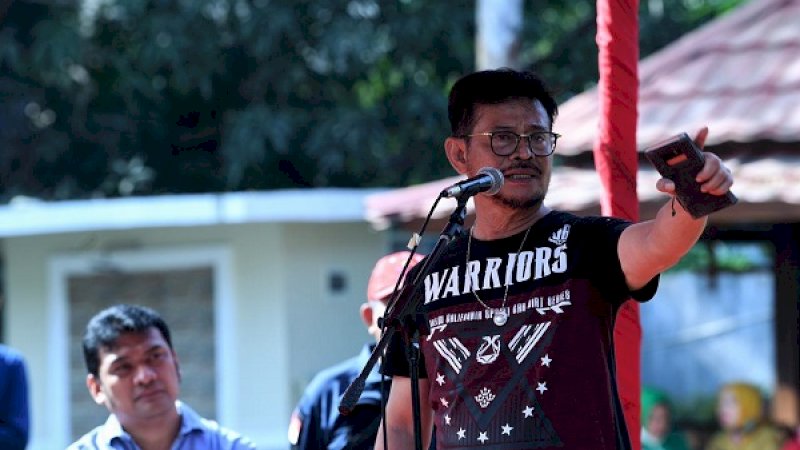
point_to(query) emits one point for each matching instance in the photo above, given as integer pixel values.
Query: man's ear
(456, 151)
(95, 390)
(366, 314)
(177, 364)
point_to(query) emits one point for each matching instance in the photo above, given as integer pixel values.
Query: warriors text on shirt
(479, 275)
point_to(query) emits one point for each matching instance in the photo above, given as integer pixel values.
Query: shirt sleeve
(13, 404)
(395, 361)
(307, 418)
(243, 443)
(603, 264)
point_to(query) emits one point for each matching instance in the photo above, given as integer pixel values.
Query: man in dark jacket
(316, 422)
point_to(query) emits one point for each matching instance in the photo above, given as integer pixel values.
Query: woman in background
(740, 413)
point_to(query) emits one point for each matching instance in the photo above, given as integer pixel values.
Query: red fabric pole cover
(615, 157)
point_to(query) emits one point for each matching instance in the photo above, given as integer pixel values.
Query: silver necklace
(500, 316)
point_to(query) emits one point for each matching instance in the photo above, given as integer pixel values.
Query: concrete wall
(700, 332)
(278, 321)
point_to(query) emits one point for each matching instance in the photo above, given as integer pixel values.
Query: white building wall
(337, 313)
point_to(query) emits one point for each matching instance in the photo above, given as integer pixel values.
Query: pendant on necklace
(500, 317)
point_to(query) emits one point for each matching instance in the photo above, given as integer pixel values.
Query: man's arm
(648, 248)
(399, 421)
(305, 425)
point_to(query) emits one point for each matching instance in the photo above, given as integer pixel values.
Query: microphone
(488, 180)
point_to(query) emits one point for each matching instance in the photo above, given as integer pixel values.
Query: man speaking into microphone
(521, 307)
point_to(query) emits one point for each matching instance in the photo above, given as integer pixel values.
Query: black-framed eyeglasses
(504, 143)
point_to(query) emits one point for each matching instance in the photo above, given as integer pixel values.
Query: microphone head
(497, 179)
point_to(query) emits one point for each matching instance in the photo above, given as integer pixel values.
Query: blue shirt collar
(112, 429)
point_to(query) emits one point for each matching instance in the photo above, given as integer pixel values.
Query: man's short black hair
(105, 328)
(490, 87)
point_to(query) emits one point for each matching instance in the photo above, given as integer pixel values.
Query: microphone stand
(410, 323)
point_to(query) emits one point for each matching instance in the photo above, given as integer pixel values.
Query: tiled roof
(739, 74)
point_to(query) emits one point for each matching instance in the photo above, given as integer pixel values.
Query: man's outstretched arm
(648, 248)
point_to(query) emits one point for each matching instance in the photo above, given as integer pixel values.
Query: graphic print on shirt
(503, 411)
(453, 351)
(489, 349)
(479, 275)
(489, 379)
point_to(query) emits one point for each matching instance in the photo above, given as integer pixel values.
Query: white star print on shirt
(462, 434)
(528, 411)
(439, 378)
(541, 387)
(507, 429)
(447, 419)
(483, 437)
(546, 360)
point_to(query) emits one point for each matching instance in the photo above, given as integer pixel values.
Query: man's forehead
(513, 106)
(132, 341)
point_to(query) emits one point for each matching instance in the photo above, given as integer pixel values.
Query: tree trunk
(499, 24)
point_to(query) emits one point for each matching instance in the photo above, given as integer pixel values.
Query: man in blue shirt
(13, 400)
(133, 371)
(316, 422)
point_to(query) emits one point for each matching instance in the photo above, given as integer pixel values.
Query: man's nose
(144, 374)
(523, 150)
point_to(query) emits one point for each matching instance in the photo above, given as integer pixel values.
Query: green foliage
(725, 256)
(132, 97)
(661, 21)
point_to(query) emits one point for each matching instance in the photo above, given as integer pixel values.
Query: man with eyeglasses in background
(522, 306)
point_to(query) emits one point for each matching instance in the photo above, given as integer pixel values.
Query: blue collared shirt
(196, 433)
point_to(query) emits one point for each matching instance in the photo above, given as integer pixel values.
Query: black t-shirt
(545, 379)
